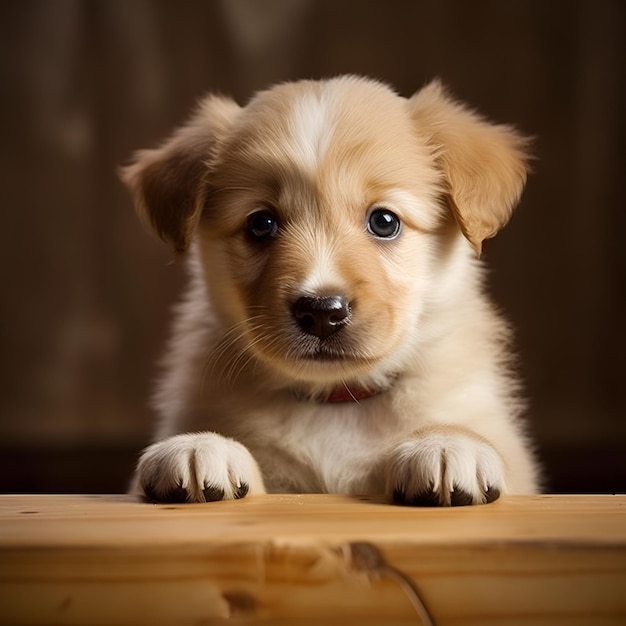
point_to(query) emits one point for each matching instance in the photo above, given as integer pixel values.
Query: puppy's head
(318, 213)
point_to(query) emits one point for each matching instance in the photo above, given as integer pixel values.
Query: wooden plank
(293, 559)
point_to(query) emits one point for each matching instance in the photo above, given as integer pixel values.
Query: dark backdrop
(85, 293)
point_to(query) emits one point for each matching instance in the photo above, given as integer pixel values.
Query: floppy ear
(169, 183)
(484, 164)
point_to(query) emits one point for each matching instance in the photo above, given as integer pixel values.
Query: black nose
(321, 316)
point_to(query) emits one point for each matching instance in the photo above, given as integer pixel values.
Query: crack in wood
(367, 558)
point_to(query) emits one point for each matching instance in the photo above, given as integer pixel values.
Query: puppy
(335, 335)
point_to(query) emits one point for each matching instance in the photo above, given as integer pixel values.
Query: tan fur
(484, 164)
(168, 182)
(321, 156)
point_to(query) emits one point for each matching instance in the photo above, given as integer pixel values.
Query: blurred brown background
(85, 293)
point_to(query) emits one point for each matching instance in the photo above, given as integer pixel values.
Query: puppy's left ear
(484, 165)
(169, 183)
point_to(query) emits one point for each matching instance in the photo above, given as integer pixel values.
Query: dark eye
(262, 225)
(383, 223)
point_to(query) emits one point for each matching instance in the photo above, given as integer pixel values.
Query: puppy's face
(316, 229)
(319, 210)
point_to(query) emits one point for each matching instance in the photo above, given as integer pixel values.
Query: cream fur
(239, 373)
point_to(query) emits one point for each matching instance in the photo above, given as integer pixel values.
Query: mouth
(309, 358)
(329, 350)
(318, 367)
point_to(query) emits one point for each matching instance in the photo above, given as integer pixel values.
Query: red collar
(346, 393)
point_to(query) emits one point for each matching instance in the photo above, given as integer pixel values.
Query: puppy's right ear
(169, 183)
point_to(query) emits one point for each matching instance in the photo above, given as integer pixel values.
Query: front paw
(444, 467)
(198, 467)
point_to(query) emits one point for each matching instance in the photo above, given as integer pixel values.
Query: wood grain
(293, 559)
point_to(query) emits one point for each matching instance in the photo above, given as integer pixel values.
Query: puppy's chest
(332, 448)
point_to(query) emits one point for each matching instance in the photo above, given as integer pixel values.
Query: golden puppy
(335, 335)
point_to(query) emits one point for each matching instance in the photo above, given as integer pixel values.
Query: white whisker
(235, 350)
